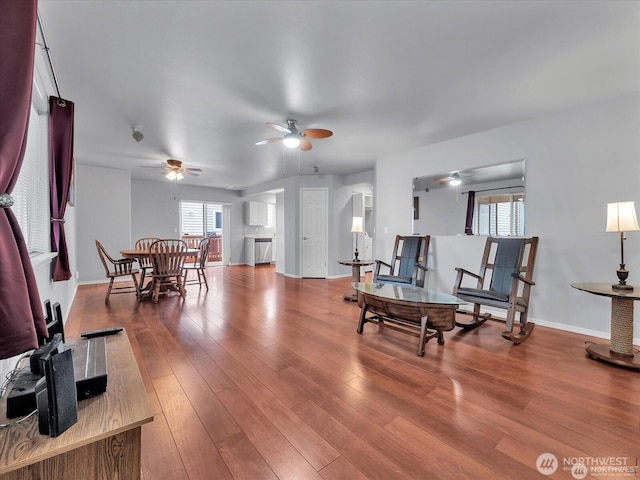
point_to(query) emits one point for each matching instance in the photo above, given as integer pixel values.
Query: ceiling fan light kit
(291, 140)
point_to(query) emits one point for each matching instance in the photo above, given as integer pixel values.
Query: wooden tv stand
(104, 443)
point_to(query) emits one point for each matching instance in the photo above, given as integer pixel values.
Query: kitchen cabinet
(255, 213)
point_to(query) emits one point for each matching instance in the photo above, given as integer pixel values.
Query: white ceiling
(201, 78)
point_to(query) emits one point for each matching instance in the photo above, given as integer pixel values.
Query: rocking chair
(408, 262)
(509, 263)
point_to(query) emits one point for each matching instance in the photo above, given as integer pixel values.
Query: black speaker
(56, 395)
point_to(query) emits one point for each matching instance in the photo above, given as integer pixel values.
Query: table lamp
(356, 227)
(621, 217)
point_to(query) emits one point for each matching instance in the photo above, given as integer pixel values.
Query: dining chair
(168, 256)
(117, 269)
(198, 265)
(144, 262)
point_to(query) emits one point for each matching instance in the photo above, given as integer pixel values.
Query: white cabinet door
(250, 251)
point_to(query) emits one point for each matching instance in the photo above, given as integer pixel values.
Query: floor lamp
(356, 227)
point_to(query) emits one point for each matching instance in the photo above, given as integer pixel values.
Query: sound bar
(90, 372)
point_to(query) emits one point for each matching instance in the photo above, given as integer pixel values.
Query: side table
(355, 275)
(620, 351)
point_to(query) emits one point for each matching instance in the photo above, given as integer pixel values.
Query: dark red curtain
(471, 203)
(60, 173)
(21, 315)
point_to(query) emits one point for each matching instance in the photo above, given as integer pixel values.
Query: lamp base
(622, 276)
(355, 256)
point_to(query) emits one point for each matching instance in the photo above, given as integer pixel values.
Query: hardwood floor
(265, 377)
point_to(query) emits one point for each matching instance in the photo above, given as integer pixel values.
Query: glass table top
(407, 293)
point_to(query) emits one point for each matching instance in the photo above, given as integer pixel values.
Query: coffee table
(414, 310)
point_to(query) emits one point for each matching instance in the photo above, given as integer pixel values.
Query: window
(271, 215)
(500, 215)
(198, 218)
(31, 192)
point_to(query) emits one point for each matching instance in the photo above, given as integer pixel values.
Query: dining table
(136, 254)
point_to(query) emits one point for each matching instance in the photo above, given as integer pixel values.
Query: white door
(314, 232)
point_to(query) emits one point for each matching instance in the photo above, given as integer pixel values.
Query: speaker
(56, 395)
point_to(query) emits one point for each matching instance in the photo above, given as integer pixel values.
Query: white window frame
(500, 214)
(200, 209)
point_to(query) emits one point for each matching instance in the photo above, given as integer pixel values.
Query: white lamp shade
(356, 226)
(621, 217)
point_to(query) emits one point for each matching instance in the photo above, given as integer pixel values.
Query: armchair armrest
(467, 272)
(376, 270)
(522, 279)
(380, 262)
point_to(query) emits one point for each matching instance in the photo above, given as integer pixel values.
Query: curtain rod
(45, 46)
(492, 189)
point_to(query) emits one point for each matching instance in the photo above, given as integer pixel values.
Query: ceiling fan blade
(317, 133)
(305, 144)
(279, 128)
(191, 172)
(153, 166)
(268, 140)
(191, 169)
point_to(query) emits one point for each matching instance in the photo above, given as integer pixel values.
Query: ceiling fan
(174, 170)
(453, 179)
(292, 137)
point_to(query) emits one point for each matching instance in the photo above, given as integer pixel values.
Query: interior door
(314, 232)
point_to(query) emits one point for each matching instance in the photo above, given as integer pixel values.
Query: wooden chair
(145, 263)
(198, 265)
(168, 258)
(408, 262)
(507, 267)
(118, 268)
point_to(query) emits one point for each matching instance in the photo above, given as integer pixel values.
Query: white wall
(576, 162)
(103, 209)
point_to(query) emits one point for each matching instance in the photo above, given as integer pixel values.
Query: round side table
(355, 276)
(620, 351)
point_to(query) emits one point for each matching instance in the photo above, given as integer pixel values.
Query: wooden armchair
(408, 262)
(168, 258)
(504, 281)
(118, 268)
(198, 265)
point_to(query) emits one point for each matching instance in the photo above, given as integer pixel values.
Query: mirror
(440, 206)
